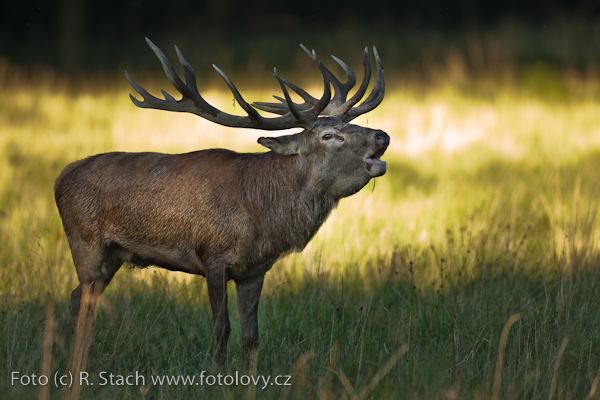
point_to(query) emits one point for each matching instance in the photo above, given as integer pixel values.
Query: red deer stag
(218, 213)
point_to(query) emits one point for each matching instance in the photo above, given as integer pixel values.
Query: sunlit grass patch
(488, 209)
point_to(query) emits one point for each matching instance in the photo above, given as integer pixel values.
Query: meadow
(470, 270)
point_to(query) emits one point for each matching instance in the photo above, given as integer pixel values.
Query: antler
(193, 102)
(338, 106)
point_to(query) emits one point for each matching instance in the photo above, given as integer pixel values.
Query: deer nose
(382, 139)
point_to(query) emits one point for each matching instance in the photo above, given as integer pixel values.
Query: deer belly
(180, 259)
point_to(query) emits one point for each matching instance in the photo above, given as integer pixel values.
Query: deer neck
(287, 194)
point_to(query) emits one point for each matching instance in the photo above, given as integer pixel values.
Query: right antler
(338, 106)
(193, 102)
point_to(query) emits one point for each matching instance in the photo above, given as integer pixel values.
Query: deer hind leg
(95, 269)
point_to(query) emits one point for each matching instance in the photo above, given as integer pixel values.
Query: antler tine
(279, 108)
(252, 113)
(351, 77)
(292, 107)
(302, 107)
(324, 101)
(170, 72)
(274, 108)
(376, 96)
(341, 90)
(301, 92)
(190, 75)
(343, 108)
(282, 108)
(145, 95)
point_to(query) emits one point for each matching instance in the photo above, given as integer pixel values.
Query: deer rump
(217, 213)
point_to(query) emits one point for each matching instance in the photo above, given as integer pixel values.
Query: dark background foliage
(74, 34)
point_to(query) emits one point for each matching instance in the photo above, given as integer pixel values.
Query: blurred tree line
(71, 34)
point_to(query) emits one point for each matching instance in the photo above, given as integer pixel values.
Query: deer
(217, 213)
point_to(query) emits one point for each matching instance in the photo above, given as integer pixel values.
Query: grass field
(470, 270)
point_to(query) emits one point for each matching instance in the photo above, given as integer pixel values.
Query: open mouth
(375, 165)
(375, 158)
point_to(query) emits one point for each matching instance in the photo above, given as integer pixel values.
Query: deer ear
(287, 145)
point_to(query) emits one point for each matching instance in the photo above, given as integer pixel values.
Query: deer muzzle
(375, 166)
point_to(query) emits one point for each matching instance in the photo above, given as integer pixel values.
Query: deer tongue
(375, 166)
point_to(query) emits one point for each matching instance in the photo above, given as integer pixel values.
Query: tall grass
(488, 210)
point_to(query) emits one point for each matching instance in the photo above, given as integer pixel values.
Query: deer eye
(327, 136)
